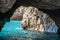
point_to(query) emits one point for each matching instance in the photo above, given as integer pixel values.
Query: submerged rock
(33, 19)
(5, 5)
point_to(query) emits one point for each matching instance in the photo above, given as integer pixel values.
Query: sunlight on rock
(33, 19)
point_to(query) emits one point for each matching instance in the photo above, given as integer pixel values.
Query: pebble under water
(12, 30)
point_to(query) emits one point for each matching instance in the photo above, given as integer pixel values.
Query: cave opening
(54, 14)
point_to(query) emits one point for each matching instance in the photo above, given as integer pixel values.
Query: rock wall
(6, 5)
(44, 4)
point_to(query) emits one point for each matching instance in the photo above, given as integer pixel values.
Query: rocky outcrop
(33, 19)
(5, 5)
(22, 12)
(18, 14)
(47, 4)
(43, 4)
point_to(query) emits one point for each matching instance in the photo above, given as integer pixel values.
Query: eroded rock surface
(33, 19)
(18, 14)
(5, 5)
(43, 4)
(48, 4)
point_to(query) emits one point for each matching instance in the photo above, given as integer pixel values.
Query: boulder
(33, 19)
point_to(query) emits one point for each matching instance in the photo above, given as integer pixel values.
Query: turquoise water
(13, 30)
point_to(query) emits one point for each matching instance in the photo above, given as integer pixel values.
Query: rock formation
(43, 4)
(33, 19)
(5, 5)
(18, 14)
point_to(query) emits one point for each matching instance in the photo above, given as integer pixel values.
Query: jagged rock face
(33, 19)
(5, 5)
(18, 14)
(42, 4)
(47, 4)
(55, 4)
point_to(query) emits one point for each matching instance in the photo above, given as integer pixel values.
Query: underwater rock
(33, 19)
(5, 5)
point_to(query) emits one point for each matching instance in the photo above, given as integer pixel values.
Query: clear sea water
(12, 30)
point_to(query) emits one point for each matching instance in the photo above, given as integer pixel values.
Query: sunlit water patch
(13, 31)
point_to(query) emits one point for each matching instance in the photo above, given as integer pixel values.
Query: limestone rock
(18, 14)
(33, 19)
(5, 5)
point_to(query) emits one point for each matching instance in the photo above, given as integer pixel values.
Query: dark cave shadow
(52, 13)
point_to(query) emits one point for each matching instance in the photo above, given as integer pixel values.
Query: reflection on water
(13, 31)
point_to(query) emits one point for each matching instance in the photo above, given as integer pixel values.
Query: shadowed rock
(5, 5)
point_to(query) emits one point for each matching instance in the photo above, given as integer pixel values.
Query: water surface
(13, 31)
